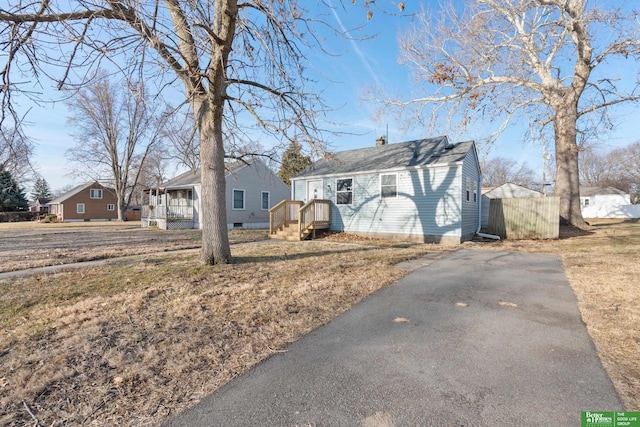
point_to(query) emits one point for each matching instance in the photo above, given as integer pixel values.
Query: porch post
(286, 214)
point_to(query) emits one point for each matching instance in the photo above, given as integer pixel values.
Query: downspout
(478, 233)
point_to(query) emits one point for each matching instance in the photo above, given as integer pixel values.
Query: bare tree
(15, 153)
(235, 62)
(594, 164)
(116, 129)
(626, 161)
(500, 170)
(153, 173)
(182, 134)
(505, 60)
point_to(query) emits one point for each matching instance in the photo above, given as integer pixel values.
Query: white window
(111, 207)
(475, 191)
(238, 200)
(80, 208)
(389, 185)
(95, 193)
(344, 191)
(265, 202)
(467, 187)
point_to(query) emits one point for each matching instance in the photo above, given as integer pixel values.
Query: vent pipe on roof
(382, 140)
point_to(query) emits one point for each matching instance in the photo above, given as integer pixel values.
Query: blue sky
(359, 64)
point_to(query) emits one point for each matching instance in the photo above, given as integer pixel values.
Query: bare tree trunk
(121, 208)
(208, 108)
(215, 238)
(567, 171)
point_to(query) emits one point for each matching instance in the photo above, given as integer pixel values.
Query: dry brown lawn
(131, 343)
(30, 244)
(136, 341)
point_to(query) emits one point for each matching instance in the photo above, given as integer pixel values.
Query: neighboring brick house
(86, 202)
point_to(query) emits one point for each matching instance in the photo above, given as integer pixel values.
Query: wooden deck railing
(168, 212)
(309, 217)
(314, 215)
(283, 214)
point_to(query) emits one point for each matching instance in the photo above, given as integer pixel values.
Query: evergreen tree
(12, 197)
(41, 189)
(293, 162)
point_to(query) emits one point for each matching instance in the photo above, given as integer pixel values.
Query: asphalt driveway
(475, 338)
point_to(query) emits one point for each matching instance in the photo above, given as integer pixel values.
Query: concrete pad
(474, 338)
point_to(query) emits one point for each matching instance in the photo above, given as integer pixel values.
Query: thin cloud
(363, 59)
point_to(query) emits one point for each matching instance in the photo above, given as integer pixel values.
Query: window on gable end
(467, 185)
(475, 191)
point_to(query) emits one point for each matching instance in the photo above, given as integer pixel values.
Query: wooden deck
(293, 220)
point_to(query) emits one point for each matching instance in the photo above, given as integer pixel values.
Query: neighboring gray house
(607, 202)
(425, 190)
(504, 191)
(251, 190)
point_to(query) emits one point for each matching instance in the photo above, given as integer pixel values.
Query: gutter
(478, 233)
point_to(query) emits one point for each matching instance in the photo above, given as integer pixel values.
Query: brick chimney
(382, 140)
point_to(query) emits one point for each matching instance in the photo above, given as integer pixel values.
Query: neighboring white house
(251, 190)
(607, 202)
(504, 191)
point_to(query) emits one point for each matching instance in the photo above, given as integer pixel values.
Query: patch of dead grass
(602, 266)
(131, 344)
(32, 244)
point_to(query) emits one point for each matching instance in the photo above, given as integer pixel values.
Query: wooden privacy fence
(525, 218)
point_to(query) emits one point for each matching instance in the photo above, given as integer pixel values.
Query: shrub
(17, 216)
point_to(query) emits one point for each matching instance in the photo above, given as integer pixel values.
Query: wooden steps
(289, 232)
(290, 216)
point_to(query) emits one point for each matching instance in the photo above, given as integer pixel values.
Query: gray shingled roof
(187, 179)
(192, 177)
(599, 191)
(421, 152)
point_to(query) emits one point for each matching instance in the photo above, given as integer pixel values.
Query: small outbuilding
(607, 202)
(504, 191)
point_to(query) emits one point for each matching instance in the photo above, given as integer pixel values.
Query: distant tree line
(501, 170)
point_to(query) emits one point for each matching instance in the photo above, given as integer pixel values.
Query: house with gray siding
(252, 188)
(427, 190)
